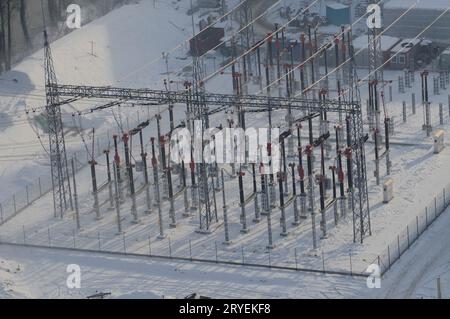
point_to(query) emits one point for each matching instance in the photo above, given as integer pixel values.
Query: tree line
(15, 20)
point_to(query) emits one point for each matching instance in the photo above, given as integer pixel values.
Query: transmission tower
(62, 194)
(206, 191)
(359, 195)
(376, 77)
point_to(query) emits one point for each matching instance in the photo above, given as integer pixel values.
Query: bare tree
(23, 23)
(8, 14)
(2, 37)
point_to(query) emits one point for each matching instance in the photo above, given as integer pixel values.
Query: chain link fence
(21, 200)
(413, 230)
(143, 245)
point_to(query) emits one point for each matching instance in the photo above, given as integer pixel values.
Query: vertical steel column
(244, 229)
(110, 191)
(309, 153)
(117, 162)
(257, 218)
(225, 211)
(301, 173)
(93, 163)
(75, 196)
(157, 197)
(296, 221)
(125, 139)
(146, 180)
(187, 212)
(284, 232)
(117, 197)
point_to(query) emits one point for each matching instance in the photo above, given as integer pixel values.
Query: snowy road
(41, 273)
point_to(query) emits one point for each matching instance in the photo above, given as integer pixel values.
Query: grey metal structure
(203, 104)
(62, 194)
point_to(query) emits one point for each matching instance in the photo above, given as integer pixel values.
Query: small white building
(438, 141)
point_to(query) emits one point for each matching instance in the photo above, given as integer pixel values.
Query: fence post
(351, 264)
(149, 245)
(28, 196)
(190, 249)
(217, 257)
(296, 259)
(124, 244)
(170, 248)
(438, 287)
(407, 234)
(398, 246)
(243, 258)
(404, 112)
(270, 261)
(379, 264)
(445, 202)
(323, 261)
(99, 242)
(389, 256)
(417, 225)
(74, 243)
(435, 207)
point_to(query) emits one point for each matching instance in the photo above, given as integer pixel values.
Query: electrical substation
(194, 175)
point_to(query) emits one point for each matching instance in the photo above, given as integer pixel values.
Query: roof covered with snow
(421, 4)
(337, 6)
(387, 42)
(406, 45)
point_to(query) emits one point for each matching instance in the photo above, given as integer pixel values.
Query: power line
(253, 47)
(183, 43)
(314, 55)
(415, 38)
(360, 50)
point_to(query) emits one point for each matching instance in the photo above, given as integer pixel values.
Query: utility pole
(75, 196)
(108, 168)
(117, 198)
(225, 211)
(125, 140)
(117, 163)
(309, 153)
(145, 170)
(294, 194)
(244, 229)
(158, 198)
(62, 194)
(301, 173)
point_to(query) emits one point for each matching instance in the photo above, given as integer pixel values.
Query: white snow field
(43, 274)
(126, 40)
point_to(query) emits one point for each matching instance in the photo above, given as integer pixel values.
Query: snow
(387, 42)
(415, 274)
(405, 45)
(129, 39)
(44, 276)
(128, 46)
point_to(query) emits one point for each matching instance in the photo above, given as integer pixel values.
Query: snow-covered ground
(41, 273)
(126, 40)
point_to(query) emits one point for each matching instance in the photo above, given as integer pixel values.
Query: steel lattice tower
(360, 198)
(62, 194)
